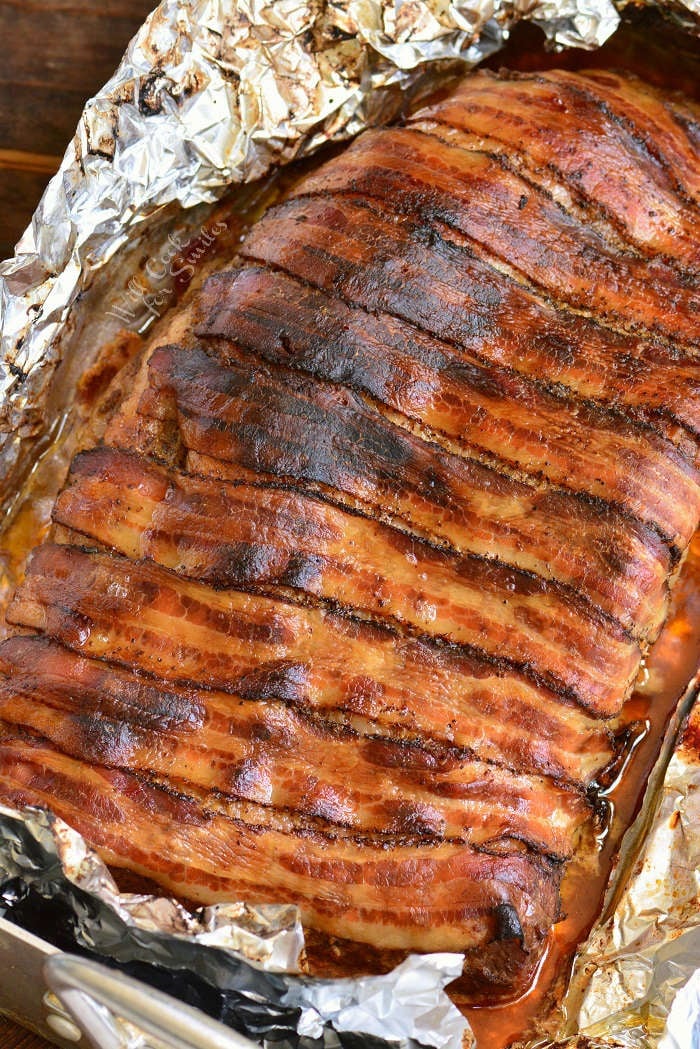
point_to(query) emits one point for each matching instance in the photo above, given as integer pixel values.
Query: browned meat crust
(265, 538)
(207, 847)
(265, 649)
(274, 755)
(344, 610)
(274, 422)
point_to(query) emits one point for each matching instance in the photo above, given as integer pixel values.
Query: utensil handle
(99, 998)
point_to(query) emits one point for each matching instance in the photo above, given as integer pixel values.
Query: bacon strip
(664, 124)
(247, 536)
(257, 648)
(556, 121)
(355, 890)
(271, 422)
(267, 753)
(472, 193)
(560, 351)
(488, 408)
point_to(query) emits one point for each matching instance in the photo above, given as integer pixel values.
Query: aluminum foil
(210, 94)
(269, 936)
(225, 960)
(637, 980)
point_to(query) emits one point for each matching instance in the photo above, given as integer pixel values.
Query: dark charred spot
(385, 443)
(152, 90)
(287, 682)
(243, 563)
(433, 484)
(303, 571)
(508, 925)
(415, 819)
(247, 779)
(103, 740)
(427, 235)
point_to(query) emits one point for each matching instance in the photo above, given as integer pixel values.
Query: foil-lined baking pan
(212, 94)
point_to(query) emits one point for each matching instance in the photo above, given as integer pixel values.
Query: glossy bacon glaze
(345, 610)
(236, 424)
(269, 753)
(259, 537)
(265, 649)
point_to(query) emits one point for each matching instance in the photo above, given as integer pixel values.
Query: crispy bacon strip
(266, 421)
(664, 124)
(266, 752)
(507, 325)
(517, 224)
(253, 536)
(566, 125)
(492, 409)
(361, 891)
(257, 648)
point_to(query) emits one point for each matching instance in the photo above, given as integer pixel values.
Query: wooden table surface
(13, 1037)
(56, 54)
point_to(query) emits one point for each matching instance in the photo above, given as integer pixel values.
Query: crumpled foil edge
(250, 952)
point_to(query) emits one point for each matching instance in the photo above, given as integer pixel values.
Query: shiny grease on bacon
(346, 608)
(254, 536)
(139, 615)
(534, 120)
(490, 409)
(248, 420)
(271, 754)
(362, 889)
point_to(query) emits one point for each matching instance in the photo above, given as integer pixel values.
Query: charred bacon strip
(268, 421)
(569, 354)
(267, 753)
(253, 647)
(245, 536)
(565, 125)
(490, 409)
(472, 193)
